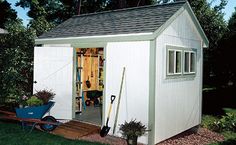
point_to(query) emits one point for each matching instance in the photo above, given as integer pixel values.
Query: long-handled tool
(118, 105)
(105, 129)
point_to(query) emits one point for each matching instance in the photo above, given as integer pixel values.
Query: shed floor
(91, 114)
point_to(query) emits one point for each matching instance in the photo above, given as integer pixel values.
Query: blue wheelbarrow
(33, 116)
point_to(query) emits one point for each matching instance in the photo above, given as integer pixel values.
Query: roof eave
(101, 38)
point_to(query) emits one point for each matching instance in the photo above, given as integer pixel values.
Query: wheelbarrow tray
(36, 112)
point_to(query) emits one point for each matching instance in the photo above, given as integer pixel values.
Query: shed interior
(89, 84)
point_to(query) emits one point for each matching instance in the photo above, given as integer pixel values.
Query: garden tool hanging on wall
(91, 62)
(88, 83)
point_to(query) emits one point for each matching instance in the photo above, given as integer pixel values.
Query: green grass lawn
(12, 134)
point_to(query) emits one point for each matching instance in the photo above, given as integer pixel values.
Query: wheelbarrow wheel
(48, 127)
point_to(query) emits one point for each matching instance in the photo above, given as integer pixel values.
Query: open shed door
(53, 70)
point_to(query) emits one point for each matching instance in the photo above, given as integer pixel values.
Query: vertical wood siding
(177, 99)
(134, 99)
(53, 69)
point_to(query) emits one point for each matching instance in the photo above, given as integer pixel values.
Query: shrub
(208, 121)
(226, 123)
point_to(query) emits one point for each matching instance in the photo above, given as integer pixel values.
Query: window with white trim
(189, 62)
(174, 63)
(180, 61)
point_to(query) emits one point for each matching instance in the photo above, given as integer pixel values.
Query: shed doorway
(89, 84)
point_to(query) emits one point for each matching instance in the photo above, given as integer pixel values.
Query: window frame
(175, 50)
(190, 52)
(182, 50)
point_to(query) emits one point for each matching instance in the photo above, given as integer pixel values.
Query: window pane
(186, 62)
(178, 62)
(192, 66)
(171, 61)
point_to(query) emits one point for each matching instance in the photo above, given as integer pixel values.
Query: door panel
(53, 70)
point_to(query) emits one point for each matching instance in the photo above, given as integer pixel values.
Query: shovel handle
(112, 98)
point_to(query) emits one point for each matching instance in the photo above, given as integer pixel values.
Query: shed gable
(183, 27)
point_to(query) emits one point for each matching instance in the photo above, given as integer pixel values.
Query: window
(174, 62)
(180, 61)
(189, 62)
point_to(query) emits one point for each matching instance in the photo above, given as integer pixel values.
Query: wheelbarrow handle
(112, 98)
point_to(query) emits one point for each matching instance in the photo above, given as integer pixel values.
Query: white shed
(161, 47)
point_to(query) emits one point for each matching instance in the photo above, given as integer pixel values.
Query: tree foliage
(211, 19)
(119, 4)
(7, 13)
(16, 49)
(214, 26)
(57, 11)
(40, 25)
(232, 24)
(226, 74)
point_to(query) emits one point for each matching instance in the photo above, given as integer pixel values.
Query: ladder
(79, 83)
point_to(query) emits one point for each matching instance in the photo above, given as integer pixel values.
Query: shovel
(105, 129)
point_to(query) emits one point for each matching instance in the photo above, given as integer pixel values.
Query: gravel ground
(202, 137)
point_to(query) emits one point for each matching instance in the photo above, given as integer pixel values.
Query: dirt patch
(202, 137)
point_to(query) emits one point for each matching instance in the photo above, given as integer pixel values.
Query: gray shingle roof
(125, 21)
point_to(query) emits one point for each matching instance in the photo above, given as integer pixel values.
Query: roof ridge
(131, 8)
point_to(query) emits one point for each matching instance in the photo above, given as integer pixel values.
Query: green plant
(226, 123)
(132, 130)
(22, 100)
(34, 101)
(230, 110)
(45, 95)
(208, 121)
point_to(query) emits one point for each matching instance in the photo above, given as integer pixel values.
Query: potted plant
(132, 130)
(35, 106)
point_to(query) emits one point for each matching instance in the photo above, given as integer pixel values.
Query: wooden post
(78, 6)
(118, 105)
